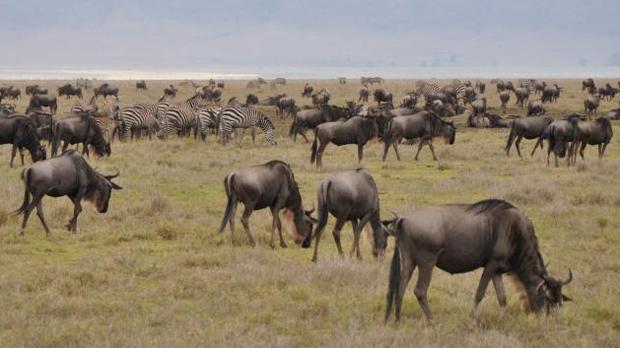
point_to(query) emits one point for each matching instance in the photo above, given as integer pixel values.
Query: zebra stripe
(138, 117)
(182, 117)
(526, 83)
(241, 117)
(425, 88)
(207, 118)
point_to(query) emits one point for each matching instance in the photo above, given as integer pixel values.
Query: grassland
(154, 272)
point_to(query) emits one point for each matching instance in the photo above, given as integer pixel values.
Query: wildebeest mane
(489, 205)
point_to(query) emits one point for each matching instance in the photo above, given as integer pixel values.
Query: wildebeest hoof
(283, 245)
(271, 244)
(68, 226)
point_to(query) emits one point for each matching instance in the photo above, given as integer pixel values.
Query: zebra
(426, 88)
(181, 118)
(526, 83)
(136, 118)
(239, 117)
(206, 118)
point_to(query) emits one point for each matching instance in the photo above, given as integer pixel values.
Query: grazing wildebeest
(251, 99)
(598, 132)
(307, 92)
(342, 80)
(522, 94)
(459, 238)
(356, 130)
(591, 104)
(371, 80)
(220, 84)
(381, 96)
(535, 107)
(539, 86)
(141, 85)
(504, 97)
(501, 85)
(105, 90)
(35, 89)
(43, 122)
(170, 91)
(310, 119)
(528, 128)
(423, 125)
(479, 106)
(321, 98)
(469, 95)
(39, 101)
(21, 132)
(588, 84)
(12, 92)
(68, 90)
(350, 195)
(409, 101)
(285, 105)
(562, 134)
(480, 86)
(268, 185)
(363, 94)
(68, 175)
(608, 92)
(80, 129)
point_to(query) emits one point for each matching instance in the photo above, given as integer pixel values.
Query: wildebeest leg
(498, 284)
(36, 199)
(336, 233)
(85, 150)
(319, 155)
(276, 224)
(249, 208)
(538, 143)
(422, 141)
(603, 150)
(430, 144)
(77, 209)
(583, 147)
(231, 222)
(13, 153)
(21, 155)
(517, 143)
(421, 287)
(42, 217)
(489, 271)
(360, 152)
(408, 266)
(303, 134)
(358, 231)
(355, 224)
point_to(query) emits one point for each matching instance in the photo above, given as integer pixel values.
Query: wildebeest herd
(491, 234)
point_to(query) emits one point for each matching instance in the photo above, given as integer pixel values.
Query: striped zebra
(181, 118)
(206, 119)
(233, 117)
(424, 87)
(138, 118)
(526, 83)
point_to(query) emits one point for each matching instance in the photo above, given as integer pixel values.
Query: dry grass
(154, 272)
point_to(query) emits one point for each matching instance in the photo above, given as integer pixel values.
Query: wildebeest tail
(228, 182)
(394, 280)
(25, 176)
(314, 145)
(323, 213)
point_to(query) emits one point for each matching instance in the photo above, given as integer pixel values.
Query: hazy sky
(169, 34)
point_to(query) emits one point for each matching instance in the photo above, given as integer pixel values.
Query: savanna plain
(154, 272)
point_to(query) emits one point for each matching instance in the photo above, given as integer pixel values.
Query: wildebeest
(11, 92)
(350, 195)
(356, 130)
(310, 119)
(251, 99)
(423, 125)
(535, 107)
(269, 185)
(501, 85)
(80, 129)
(608, 92)
(480, 86)
(35, 89)
(381, 96)
(170, 91)
(363, 94)
(21, 132)
(285, 105)
(256, 83)
(591, 104)
(43, 122)
(561, 134)
(409, 101)
(479, 106)
(522, 94)
(598, 132)
(469, 95)
(489, 121)
(141, 85)
(307, 92)
(504, 97)
(68, 175)
(39, 101)
(371, 80)
(321, 98)
(106, 90)
(528, 128)
(551, 93)
(459, 238)
(588, 84)
(539, 86)
(342, 80)
(7, 110)
(68, 90)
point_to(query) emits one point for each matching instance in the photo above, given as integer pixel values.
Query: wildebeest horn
(542, 282)
(570, 277)
(110, 177)
(310, 211)
(394, 213)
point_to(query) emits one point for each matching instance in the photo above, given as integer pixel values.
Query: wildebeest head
(303, 225)
(549, 293)
(103, 191)
(40, 154)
